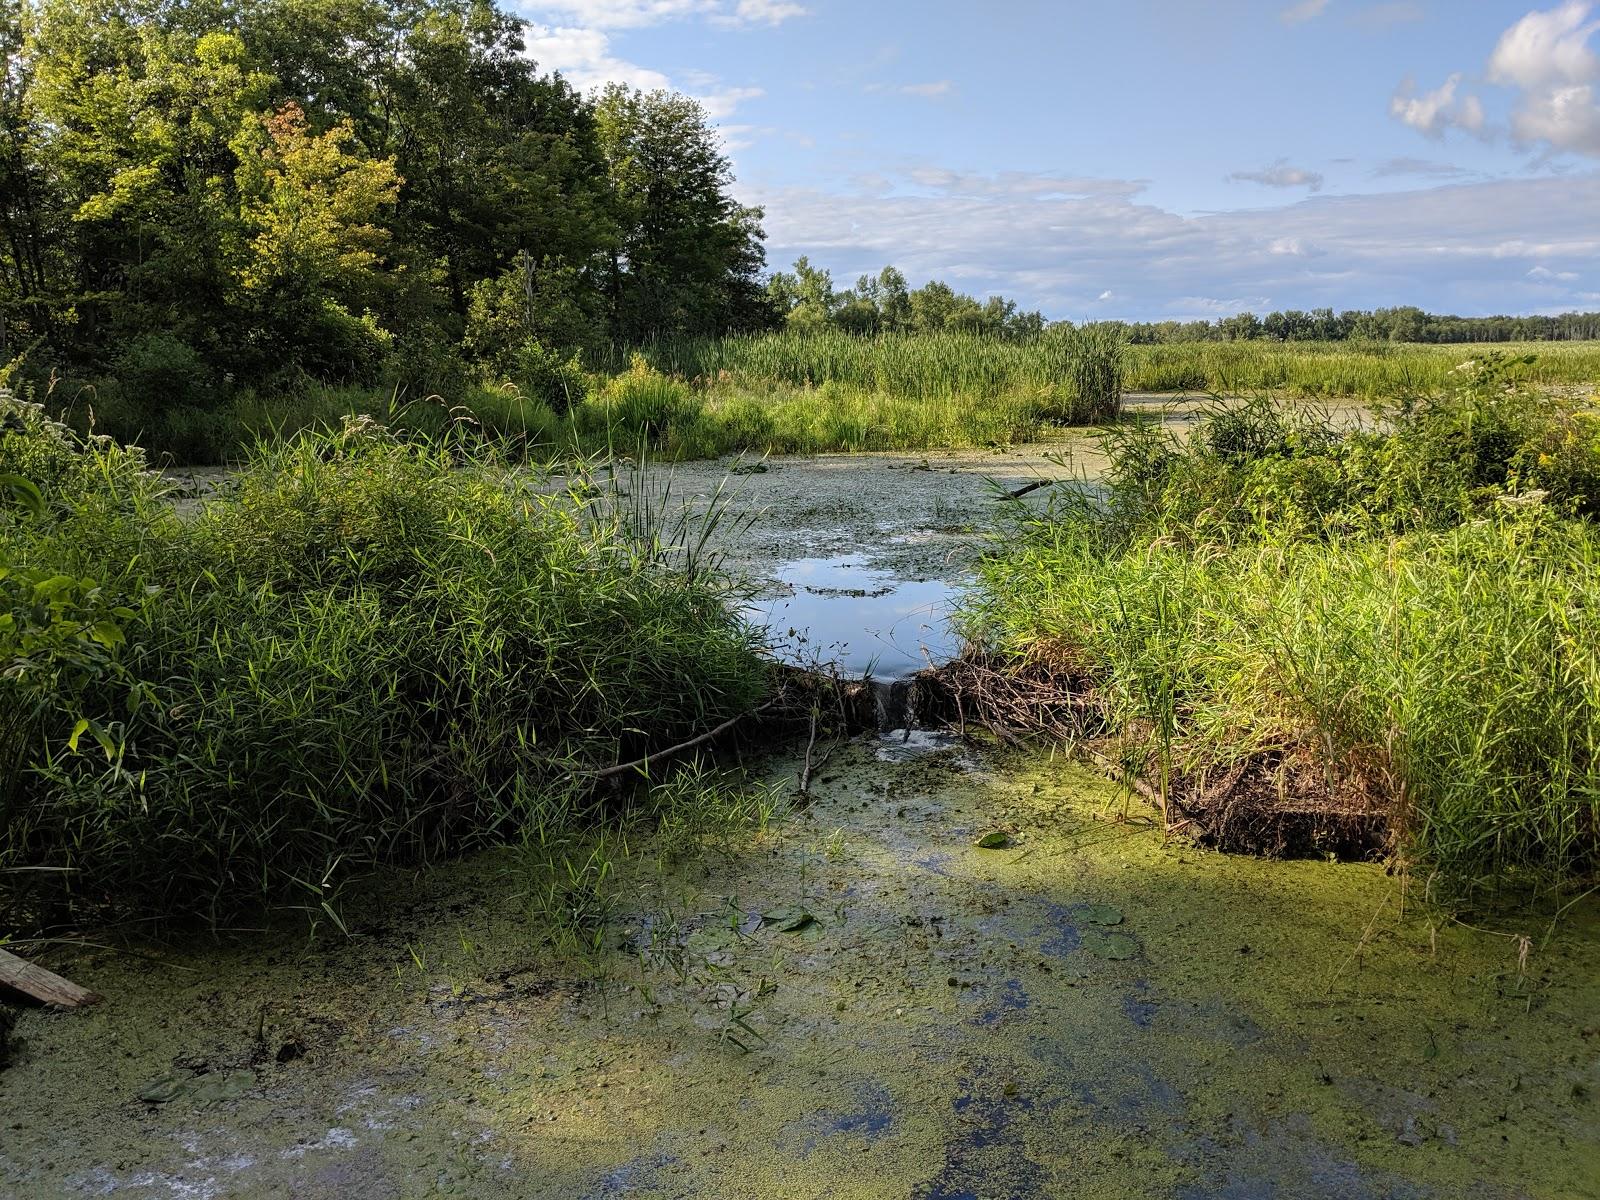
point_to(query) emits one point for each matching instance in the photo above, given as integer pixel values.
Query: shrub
(1410, 610)
(543, 376)
(367, 651)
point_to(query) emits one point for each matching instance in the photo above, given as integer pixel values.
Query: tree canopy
(220, 191)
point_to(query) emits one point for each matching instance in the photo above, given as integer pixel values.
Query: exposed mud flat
(857, 1001)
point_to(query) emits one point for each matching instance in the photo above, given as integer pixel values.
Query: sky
(1145, 159)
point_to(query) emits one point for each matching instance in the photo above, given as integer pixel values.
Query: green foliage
(367, 651)
(544, 376)
(1413, 603)
(292, 194)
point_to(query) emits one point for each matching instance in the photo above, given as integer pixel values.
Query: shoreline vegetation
(810, 393)
(1300, 636)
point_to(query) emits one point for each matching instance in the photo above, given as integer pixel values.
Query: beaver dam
(947, 967)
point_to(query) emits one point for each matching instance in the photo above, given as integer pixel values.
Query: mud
(855, 1001)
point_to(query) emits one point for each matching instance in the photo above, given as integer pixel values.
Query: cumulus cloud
(1280, 175)
(1060, 243)
(1306, 10)
(1545, 274)
(761, 12)
(585, 57)
(636, 14)
(1431, 113)
(1546, 57)
(1548, 64)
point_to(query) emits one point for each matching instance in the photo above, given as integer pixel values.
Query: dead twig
(670, 751)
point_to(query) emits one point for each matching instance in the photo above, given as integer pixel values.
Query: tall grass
(1417, 605)
(366, 651)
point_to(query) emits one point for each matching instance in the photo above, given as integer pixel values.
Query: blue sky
(1146, 159)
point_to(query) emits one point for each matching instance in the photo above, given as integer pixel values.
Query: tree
(687, 256)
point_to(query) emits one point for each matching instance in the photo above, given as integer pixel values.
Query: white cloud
(1060, 243)
(585, 58)
(1420, 167)
(1546, 57)
(1306, 10)
(1547, 275)
(762, 12)
(1280, 175)
(1546, 61)
(1431, 113)
(1104, 296)
(1547, 49)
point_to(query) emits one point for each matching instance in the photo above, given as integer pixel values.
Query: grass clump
(1307, 617)
(366, 651)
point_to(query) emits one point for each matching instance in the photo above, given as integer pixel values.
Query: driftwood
(1019, 493)
(20, 975)
(636, 764)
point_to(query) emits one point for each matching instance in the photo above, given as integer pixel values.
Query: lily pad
(202, 1089)
(1110, 944)
(790, 918)
(166, 1089)
(994, 840)
(1098, 914)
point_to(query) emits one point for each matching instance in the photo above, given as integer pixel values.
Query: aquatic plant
(1334, 622)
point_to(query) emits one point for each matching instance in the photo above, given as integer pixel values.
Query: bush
(158, 371)
(366, 652)
(543, 376)
(1410, 610)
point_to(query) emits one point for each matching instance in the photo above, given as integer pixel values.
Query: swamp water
(844, 615)
(854, 1000)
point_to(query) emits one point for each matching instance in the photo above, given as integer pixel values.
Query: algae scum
(857, 1001)
(950, 972)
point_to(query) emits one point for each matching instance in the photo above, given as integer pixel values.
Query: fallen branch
(20, 975)
(636, 764)
(1019, 493)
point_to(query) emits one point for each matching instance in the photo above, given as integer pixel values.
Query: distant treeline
(1405, 324)
(806, 300)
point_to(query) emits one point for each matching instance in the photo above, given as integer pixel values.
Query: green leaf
(164, 1090)
(1110, 945)
(77, 732)
(1098, 914)
(994, 840)
(791, 918)
(107, 633)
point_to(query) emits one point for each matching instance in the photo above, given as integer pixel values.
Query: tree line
(195, 193)
(1402, 324)
(805, 299)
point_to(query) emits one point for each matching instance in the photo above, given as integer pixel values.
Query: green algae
(941, 1025)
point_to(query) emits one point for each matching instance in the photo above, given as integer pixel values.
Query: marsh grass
(367, 650)
(1413, 608)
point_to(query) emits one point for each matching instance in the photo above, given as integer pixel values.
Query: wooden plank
(44, 986)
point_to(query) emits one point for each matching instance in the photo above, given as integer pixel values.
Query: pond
(860, 619)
